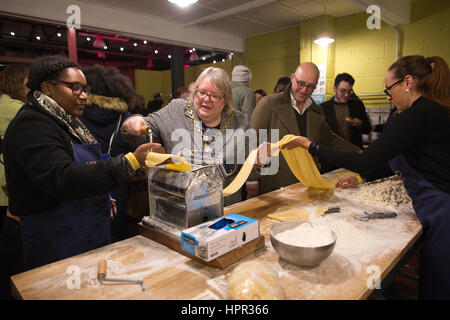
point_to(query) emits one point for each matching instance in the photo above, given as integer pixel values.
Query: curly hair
(48, 68)
(109, 82)
(11, 81)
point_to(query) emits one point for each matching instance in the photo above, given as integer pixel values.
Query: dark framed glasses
(387, 91)
(76, 87)
(302, 84)
(213, 97)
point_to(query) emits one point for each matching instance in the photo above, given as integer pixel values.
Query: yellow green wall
(271, 56)
(148, 82)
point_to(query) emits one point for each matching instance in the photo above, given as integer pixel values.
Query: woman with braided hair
(58, 185)
(416, 145)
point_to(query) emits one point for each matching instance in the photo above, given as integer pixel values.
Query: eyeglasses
(213, 97)
(387, 91)
(343, 91)
(76, 87)
(303, 84)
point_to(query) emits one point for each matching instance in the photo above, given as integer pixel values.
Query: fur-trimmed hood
(112, 103)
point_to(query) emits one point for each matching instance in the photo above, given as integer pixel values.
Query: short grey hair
(221, 80)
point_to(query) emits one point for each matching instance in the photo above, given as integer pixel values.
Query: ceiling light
(135, 44)
(190, 51)
(183, 3)
(121, 49)
(203, 58)
(223, 60)
(214, 61)
(193, 49)
(145, 41)
(105, 47)
(324, 40)
(38, 38)
(99, 42)
(88, 38)
(59, 34)
(12, 33)
(194, 56)
(169, 56)
(232, 53)
(156, 51)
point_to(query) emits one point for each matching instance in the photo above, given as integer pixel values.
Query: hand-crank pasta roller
(101, 276)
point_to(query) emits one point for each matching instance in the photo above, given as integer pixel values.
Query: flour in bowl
(306, 235)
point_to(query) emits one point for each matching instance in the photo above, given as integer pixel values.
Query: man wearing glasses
(294, 112)
(345, 115)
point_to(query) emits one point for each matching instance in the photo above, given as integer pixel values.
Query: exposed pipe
(397, 43)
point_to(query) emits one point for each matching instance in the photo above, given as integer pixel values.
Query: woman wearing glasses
(415, 145)
(56, 179)
(196, 128)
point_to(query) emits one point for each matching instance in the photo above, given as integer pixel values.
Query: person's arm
(44, 158)
(365, 126)
(405, 130)
(249, 103)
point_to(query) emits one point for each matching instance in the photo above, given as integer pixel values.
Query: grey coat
(166, 123)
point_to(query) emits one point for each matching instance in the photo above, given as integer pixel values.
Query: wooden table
(362, 250)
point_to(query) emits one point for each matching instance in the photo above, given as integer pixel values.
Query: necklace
(207, 140)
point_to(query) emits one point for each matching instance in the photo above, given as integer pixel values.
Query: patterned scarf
(73, 124)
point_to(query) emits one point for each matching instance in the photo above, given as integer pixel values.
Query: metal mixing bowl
(300, 256)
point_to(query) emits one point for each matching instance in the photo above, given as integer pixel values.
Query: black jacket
(356, 110)
(100, 116)
(40, 169)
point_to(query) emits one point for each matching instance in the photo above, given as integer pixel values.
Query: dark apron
(73, 227)
(432, 207)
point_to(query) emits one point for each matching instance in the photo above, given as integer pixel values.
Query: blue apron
(432, 207)
(73, 227)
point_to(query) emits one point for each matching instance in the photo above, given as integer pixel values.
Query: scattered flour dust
(306, 235)
(360, 244)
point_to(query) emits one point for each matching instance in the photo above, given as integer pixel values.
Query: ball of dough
(254, 280)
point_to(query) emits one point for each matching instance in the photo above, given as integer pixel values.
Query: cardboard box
(214, 238)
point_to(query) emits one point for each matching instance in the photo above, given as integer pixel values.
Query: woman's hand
(300, 141)
(347, 182)
(141, 152)
(133, 125)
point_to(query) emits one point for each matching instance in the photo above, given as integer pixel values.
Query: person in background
(244, 99)
(282, 83)
(416, 146)
(13, 92)
(138, 105)
(57, 182)
(106, 110)
(185, 95)
(346, 117)
(259, 94)
(292, 111)
(155, 104)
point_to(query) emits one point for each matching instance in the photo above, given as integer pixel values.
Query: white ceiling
(208, 24)
(238, 17)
